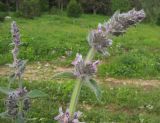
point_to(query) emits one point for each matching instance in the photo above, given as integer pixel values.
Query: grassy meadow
(119, 104)
(57, 39)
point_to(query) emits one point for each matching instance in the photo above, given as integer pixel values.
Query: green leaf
(36, 94)
(4, 115)
(5, 90)
(12, 78)
(64, 75)
(92, 84)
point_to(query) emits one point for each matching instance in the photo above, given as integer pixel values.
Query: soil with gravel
(45, 71)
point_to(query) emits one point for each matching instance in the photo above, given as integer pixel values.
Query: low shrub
(31, 8)
(158, 20)
(74, 9)
(131, 65)
(2, 16)
(56, 11)
(122, 5)
(2, 6)
(44, 6)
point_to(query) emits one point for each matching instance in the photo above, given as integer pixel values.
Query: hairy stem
(9, 85)
(20, 115)
(78, 85)
(20, 83)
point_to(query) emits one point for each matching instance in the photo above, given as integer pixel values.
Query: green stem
(78, 85)
(90, 55)
(9, 85)
(20, 83)
(20, 115)
(75, 95)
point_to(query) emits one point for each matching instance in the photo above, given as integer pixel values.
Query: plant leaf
(4, 115)
(92, 84)
(64, 75)
(36, 94)
(5, 90)
(12, 77)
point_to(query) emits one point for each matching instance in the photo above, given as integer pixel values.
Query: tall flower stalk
(78, 85)
(99, 40)
(18, 65)
(18, 100)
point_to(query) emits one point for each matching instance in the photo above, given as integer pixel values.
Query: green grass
(122, 104)
(50, 37)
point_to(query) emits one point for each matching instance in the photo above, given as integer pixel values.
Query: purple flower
(18, 65)
(12, 102)
(76, 117)
(83, 69)
(78, 59)
(15, 42)
(15, 33)
(21, 92)
(118, 24)
(100, 40)
(99, 27)
(64, 117)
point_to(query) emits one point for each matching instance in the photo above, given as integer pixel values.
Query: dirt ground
(45, 71)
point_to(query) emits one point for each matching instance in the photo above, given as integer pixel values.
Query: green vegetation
(2, 6)
(74, 9)
(122, 5)
(158, 20)
(54, 39)
(58, 38)
(32, 8)
(119, 103)
(152, 9)
(2, 16)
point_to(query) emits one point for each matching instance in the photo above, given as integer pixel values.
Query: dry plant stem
(78, 85)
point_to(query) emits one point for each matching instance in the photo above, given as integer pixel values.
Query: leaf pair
(32, 94)
(5, 90)
(36, 94)
(62, 75)
(91, 83)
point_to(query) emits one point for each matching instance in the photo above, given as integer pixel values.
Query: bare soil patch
(45, 71)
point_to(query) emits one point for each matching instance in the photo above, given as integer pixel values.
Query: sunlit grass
(119, 103)
(49, 37)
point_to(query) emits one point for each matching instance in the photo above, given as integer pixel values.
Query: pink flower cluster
(64, 117)
(83, 69)
(99, 38)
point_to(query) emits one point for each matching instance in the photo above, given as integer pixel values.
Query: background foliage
(33, 8)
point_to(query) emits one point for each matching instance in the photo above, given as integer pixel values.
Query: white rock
(8, 17)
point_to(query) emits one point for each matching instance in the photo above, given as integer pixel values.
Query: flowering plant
(18, 100)
(99, 40)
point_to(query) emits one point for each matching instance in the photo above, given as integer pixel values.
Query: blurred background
(31, 8)
(53, 31)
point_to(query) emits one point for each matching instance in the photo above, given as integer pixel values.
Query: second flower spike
(83, 69)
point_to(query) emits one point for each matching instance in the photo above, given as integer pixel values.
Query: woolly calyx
(83, 69)
(100, 38)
